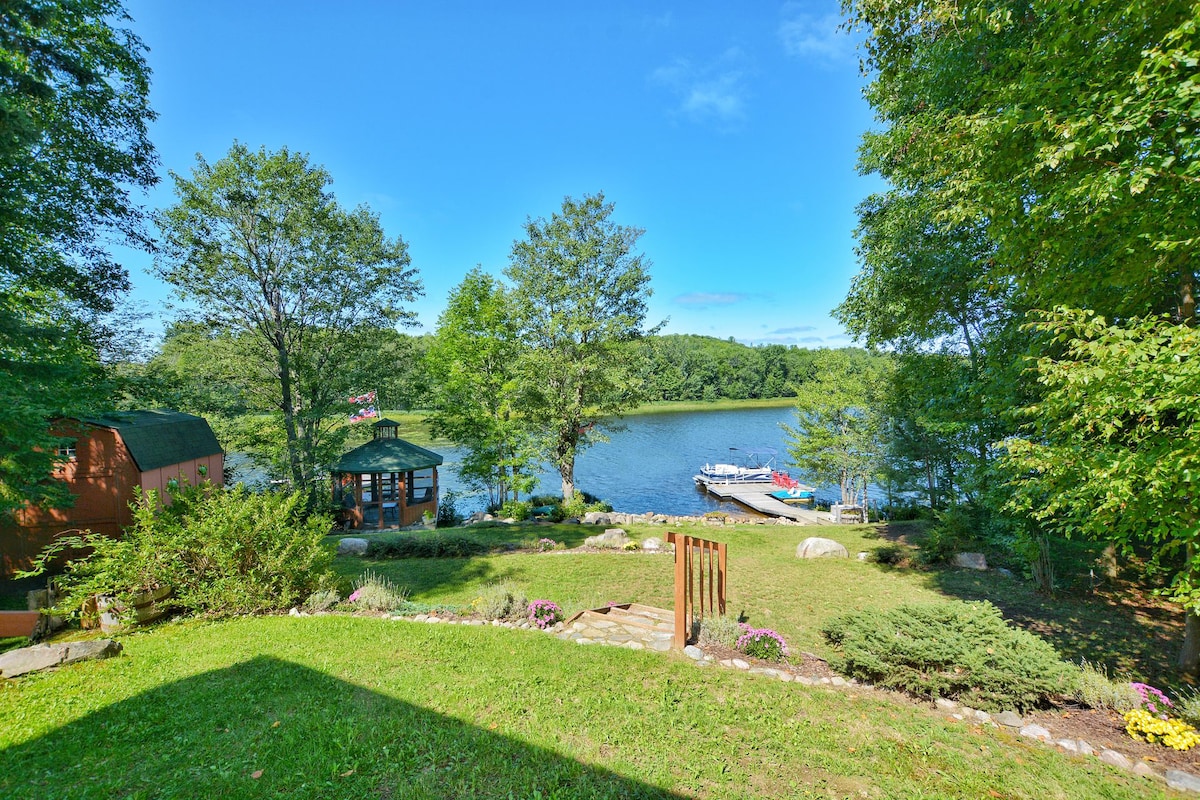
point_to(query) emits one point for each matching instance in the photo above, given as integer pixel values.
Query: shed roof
(160, 438)
(387, 455)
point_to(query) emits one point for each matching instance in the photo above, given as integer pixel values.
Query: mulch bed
(1106, 730)
(805, 664)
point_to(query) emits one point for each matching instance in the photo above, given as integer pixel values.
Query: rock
(839, 681)
(1182, 781)
(653, 544)
(983, 716)
(1070, 745)
(739, 663)
(1115, 759)
(945, 705)
(351, 546)
(1008, 573)
(691, 651)
(1035, 732)
(816, 547)
(862, 556)
(597, 518)
(1085, 749)
(15, 663)
(1009, 719)
(970, 561)
(613, 538)
(1144, 770)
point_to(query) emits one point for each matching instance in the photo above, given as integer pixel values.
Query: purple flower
(357, 593)
(544, 613)
(1151, 697)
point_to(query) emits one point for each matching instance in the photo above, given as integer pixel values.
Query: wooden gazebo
(387, 481)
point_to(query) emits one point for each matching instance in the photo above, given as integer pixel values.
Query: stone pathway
(630, 625)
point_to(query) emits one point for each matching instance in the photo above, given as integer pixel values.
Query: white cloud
(707, 93)
(797, 329)
(815, 37)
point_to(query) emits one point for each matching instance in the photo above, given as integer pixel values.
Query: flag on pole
(366, 409)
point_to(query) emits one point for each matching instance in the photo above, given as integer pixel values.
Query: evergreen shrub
(437, 545)
(960, 651)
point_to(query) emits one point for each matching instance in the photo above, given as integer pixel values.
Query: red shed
(111, 456)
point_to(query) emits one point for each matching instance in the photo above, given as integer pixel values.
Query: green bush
(321, 600)
(1187, 704)
(223, 551)
(960, 651)
(437, 545)
(1097, 690)
(447, 515)
(718, 630)
(894, 555)
(501, 601)
(375, 593)
(520, 510)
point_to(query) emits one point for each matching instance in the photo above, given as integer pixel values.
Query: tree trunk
(568, 482)
(1189, 655)
(289, 416)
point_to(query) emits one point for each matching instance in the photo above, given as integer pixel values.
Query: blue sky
(727, 130)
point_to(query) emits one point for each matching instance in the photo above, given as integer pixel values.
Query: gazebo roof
(387, 455)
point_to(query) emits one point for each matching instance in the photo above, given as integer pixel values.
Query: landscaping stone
(597, 518)
(1035, 732)
(970, 561)
(38, 657)
(1115, 759)
(740, 664)
(614, 538)
(1144, 770)
(839, 681)
(691, 651)
(351, 546)
(816, 547)
(1070, 745)
(653, 544)
(1009, 719)
(1085, 749)
(945, 705)
(1182, 781)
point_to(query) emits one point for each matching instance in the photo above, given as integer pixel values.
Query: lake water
(649, 463)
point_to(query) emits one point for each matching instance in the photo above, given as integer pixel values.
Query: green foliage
(375, 593)
(1097, 690)
(1187, 704)
(321, 600)
(837, 435)
(718, 629)
(1108, 452)
(304, 287)
(501, 601)
(580, 295)
(960, 651)
(448, 516)
(223, 552)
(519, 510)
(435, 545)
(893, 555)
(73, 150)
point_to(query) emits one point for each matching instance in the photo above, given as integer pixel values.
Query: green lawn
(344, 707)
(350, 707)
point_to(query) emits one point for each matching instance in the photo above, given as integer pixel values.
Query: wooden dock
(757, 496)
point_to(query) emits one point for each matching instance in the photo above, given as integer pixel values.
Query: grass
(362, 707)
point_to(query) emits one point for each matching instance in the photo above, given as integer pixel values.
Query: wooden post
(688, 584)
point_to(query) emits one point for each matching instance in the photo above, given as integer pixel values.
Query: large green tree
(259, 246)
(473, 368)
(580, 291)
(73, 150)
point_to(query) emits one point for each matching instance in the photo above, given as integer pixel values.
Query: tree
(580, 293)
(837, 437)
(73, 147)
(473, 366)
(1109, 452)
(261, 248)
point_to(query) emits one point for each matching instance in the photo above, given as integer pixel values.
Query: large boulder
(44, 656)
(653, 544)
(613, 538)
(351, 546)
(816, 547)
(970, 561)
(597, 518)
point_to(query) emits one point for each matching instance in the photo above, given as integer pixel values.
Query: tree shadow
(269, 727)
(1126, 631)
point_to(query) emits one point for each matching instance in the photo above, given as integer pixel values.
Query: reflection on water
(649, 463)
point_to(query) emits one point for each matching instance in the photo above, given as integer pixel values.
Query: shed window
(67, 452)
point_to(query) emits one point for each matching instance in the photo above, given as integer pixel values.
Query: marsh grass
(341, 706)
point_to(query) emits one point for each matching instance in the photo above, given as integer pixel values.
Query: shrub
(762, 643)
(1097, 690)
(960, 651)
(223, 551)
(719, 630)
(436, 545)
(375, 593)
(520, 510)
(1187, 703)
(322, 600)
(501, 601)
(545, 614)
(448, 516)
(893, 555)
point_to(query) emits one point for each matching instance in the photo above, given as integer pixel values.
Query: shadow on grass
(268, 727)
(1127, 632)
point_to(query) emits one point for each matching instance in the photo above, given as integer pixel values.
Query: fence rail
(699, 566)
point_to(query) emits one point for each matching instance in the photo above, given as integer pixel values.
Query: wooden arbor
(387, 481)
